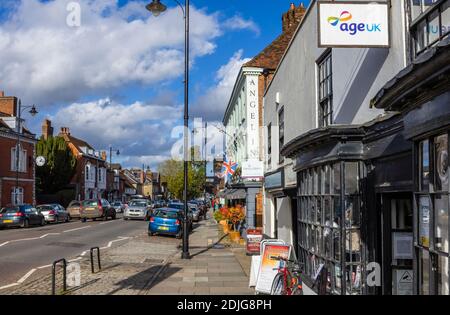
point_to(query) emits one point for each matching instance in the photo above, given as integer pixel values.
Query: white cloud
(45, 61)
(212, 105)
(237, 22)
(138, 129)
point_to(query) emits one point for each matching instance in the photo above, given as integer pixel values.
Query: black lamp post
(33, 113)
(110, 156)
(156, 7)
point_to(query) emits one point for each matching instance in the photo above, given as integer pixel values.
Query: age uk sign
(353, 24)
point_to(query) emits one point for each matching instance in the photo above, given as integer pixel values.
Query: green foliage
(173, 172)
(59, 168)
(218, 216)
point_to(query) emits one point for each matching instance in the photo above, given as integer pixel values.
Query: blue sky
(117, 79)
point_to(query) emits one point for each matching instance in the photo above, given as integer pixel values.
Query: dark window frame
(325, 89)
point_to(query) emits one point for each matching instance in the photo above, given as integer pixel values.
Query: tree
(173, 172)
(60, 165)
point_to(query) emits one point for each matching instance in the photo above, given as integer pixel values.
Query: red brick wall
(8, 105)
(5, 171)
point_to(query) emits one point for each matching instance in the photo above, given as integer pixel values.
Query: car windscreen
(117, 204)
(90, 203)
(166, 214)
(74, 204)
(138, 204)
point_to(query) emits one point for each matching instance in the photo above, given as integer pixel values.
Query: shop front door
(397, 243)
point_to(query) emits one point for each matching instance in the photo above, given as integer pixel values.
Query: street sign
(353, 24)
(40, 161)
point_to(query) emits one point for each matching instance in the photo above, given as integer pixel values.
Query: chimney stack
(65, 131)
(8, 105)
(292, 18)
(103, 154)
(47, 129)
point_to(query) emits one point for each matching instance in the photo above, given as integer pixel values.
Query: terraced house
(357, 172)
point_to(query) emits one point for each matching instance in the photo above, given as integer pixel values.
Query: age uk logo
(352, 28)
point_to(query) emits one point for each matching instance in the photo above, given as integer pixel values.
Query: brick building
(90, 179)
(15, 187)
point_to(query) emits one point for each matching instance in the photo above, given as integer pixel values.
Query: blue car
(166, 221)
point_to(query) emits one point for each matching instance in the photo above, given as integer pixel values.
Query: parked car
(119, 206)
(20, 216)
(74, 209)
(180, 207)
(97, 209)
(54, 213)
(166, 221)
(138, 209)
(196, 214)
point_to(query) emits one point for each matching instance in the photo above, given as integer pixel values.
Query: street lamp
(110, 156)
(33, 112)
(156, 7)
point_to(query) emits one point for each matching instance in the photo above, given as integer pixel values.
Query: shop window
(424, 221)
(281, 134)
(441, 232)
(424, 160)
(269, 146)
(441, 163)
(424, 272)
(443, 276)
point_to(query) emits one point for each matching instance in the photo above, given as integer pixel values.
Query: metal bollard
(98, 259)
(54, 275)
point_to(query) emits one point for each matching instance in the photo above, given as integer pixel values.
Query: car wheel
(25, 224)
(114, 216)
(126, 219)
(68, 218)
(150, 234)
(42, 222)
(84, 220)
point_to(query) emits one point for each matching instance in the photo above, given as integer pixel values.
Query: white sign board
(403, 246)
(252, 169)
(351, 24)
(268, 268)
(252, 116)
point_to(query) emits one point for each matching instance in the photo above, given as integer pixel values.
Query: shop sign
(252, 169)
(252, 117)
(404, 282)
(274, 180)
(353, 24)
(269, 266)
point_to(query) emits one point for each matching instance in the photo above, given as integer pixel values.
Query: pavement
(153, 266)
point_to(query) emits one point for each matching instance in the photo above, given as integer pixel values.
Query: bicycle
(288, 280)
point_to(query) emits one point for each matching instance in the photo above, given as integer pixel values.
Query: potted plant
(224, 213)
(236, 217)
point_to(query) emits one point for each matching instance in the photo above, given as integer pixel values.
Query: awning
(232, 194)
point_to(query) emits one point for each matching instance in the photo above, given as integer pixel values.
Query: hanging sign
(353, 24)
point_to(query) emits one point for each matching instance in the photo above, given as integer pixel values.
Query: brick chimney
(291, 19)
(8, 105)
(103, 155)
(65, 131)
(47, 129)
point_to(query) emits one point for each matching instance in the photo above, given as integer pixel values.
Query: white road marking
(77, 229)
(28, 239)
(8, 286)
(3, 244)
(22, 280)
(29, 273)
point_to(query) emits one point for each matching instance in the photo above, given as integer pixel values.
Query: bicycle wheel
(277, 285)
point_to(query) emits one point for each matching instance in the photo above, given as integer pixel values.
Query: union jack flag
(228, 169)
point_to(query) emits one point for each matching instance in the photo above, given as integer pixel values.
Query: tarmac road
(25, 250)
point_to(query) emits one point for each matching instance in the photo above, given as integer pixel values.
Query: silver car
(137, 209)
(54, 213)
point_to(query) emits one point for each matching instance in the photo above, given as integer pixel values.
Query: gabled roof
(270, 57)
(78, 143)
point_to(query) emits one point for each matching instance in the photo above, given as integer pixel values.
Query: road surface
(25, 253)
